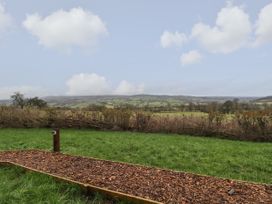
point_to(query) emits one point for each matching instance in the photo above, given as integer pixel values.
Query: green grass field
(222, 158)
(19, 186)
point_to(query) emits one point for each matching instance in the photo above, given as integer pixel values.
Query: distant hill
(267, 99)
(5, 102)
(135, 100)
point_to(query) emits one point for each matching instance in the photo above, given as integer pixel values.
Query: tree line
(18, 100)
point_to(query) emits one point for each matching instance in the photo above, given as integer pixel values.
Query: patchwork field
(216, 157)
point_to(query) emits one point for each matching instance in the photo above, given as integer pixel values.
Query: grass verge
(20, 186)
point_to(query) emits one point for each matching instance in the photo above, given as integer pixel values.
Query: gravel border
(160, 185)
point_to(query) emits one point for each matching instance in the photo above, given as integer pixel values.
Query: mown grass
(19, 186)
(210, 156)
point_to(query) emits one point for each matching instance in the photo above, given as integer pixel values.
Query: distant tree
(18, 99)
(191, 106)
(227, 107)
(36, 102)
(236, 104)
(95, 107)
(212, 107)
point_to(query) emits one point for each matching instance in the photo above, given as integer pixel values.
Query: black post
(56, 140)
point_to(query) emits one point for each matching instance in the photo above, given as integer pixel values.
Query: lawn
(19, 186)
(210, 156)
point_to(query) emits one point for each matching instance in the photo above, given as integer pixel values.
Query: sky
(98, 47)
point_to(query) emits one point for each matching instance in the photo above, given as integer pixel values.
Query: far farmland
(136, 100)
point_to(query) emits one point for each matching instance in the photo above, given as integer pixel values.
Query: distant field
(136, 100)
(223, 158)
(173, 114)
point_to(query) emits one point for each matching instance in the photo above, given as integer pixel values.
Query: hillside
(267, 99)
(135, 100)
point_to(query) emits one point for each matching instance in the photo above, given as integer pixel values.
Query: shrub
(246, 125)
(255, 124)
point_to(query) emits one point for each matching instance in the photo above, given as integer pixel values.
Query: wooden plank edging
(88, 187)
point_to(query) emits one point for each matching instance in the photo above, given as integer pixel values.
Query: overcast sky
(96, 47)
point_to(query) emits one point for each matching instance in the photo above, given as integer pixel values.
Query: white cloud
(126, 88)
(5, 19)
(66, 29)
(264, 26)
(87, 84)
(169, 39)
(191, 57)
(28, 91)
(93, 84)
(231, 31)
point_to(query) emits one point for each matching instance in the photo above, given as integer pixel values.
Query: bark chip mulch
(161, 185)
